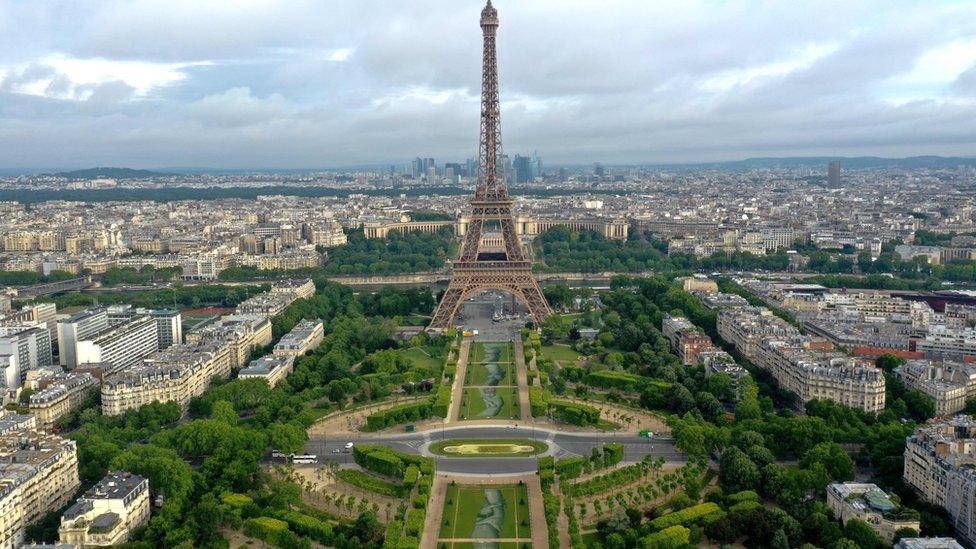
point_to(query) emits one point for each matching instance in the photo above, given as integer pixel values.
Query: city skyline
(331, 85)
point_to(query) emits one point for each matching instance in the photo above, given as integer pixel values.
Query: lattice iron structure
(477, 270)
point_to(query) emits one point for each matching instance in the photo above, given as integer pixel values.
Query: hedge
(696, 514)
(575, 414)
(275, 532)
(624, 381)
(404, 413)
(442, 401)
(379, 460)
(363, 456)
(394, 533)
(415, 522)
(410, 476)
(547, 471)
(613, 453)
(674, 536)
(571, 467)
(312, 527)
(538, 401)
(371, 483)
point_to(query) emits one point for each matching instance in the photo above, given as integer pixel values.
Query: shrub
(696, 514)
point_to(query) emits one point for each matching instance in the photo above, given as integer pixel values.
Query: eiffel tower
(476, 270)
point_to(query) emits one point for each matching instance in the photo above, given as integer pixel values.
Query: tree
(780, 541)
(861, 534)
(223, 411)
(555, 327)
(888, 362)
(834, 459)
(287, 437)
(737, 471)
(904, 533)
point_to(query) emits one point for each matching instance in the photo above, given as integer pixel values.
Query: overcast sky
(297, 84)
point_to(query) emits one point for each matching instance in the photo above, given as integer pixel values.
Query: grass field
(482, 512)
(507, 447)
(474, 405)
(560, 354)
(420, 357)
(491, 352)
(490, 374)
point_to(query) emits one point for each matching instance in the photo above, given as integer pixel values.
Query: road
(560, 445)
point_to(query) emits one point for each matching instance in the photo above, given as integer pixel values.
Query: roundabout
(468, 448)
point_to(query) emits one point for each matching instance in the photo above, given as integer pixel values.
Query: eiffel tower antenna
(477, 270)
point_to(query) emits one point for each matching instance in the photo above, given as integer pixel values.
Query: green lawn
(420, 357)
(485, 512)
(490, 373)
(503, 447)
(474, 405)
(491, 351)
(560, 353)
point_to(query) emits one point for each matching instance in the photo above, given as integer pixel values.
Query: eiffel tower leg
(450, 303)
(533, 298)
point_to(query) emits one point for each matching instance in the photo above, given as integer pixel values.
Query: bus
(304, 458)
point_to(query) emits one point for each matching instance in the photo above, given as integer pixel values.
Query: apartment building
(302, 288)
(38, 475)
(801, 365)
(77, 327)
(241, 333)
(948, 383)
(943, 342)
(271, 368)
(62, 395)
(940, 464)
(23, 347)
(305, 336)
(720, 300)
(746, 327)
(176, 374)
(928, 543)
(121, 345)
(108, 512)
(687, 340)
(869, 503)
(698, 284)
(169, 322)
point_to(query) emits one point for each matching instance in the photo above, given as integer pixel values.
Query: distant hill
(110, 173)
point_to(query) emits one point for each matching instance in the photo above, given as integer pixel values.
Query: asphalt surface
(560, 445)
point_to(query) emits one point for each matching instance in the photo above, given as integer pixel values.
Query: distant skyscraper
(536, 165)
(598, 169)
(469, 166)
(833, 173)
(431, 175)
(523, 169)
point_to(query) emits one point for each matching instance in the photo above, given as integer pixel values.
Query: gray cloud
(304, 84)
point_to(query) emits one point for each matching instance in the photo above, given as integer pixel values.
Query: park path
(435, 505)
(521, 373)
(454, 410)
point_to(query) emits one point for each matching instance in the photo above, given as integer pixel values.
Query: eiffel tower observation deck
(477, 269)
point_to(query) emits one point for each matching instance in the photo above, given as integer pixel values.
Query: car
(335, 451)
(348, 446)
